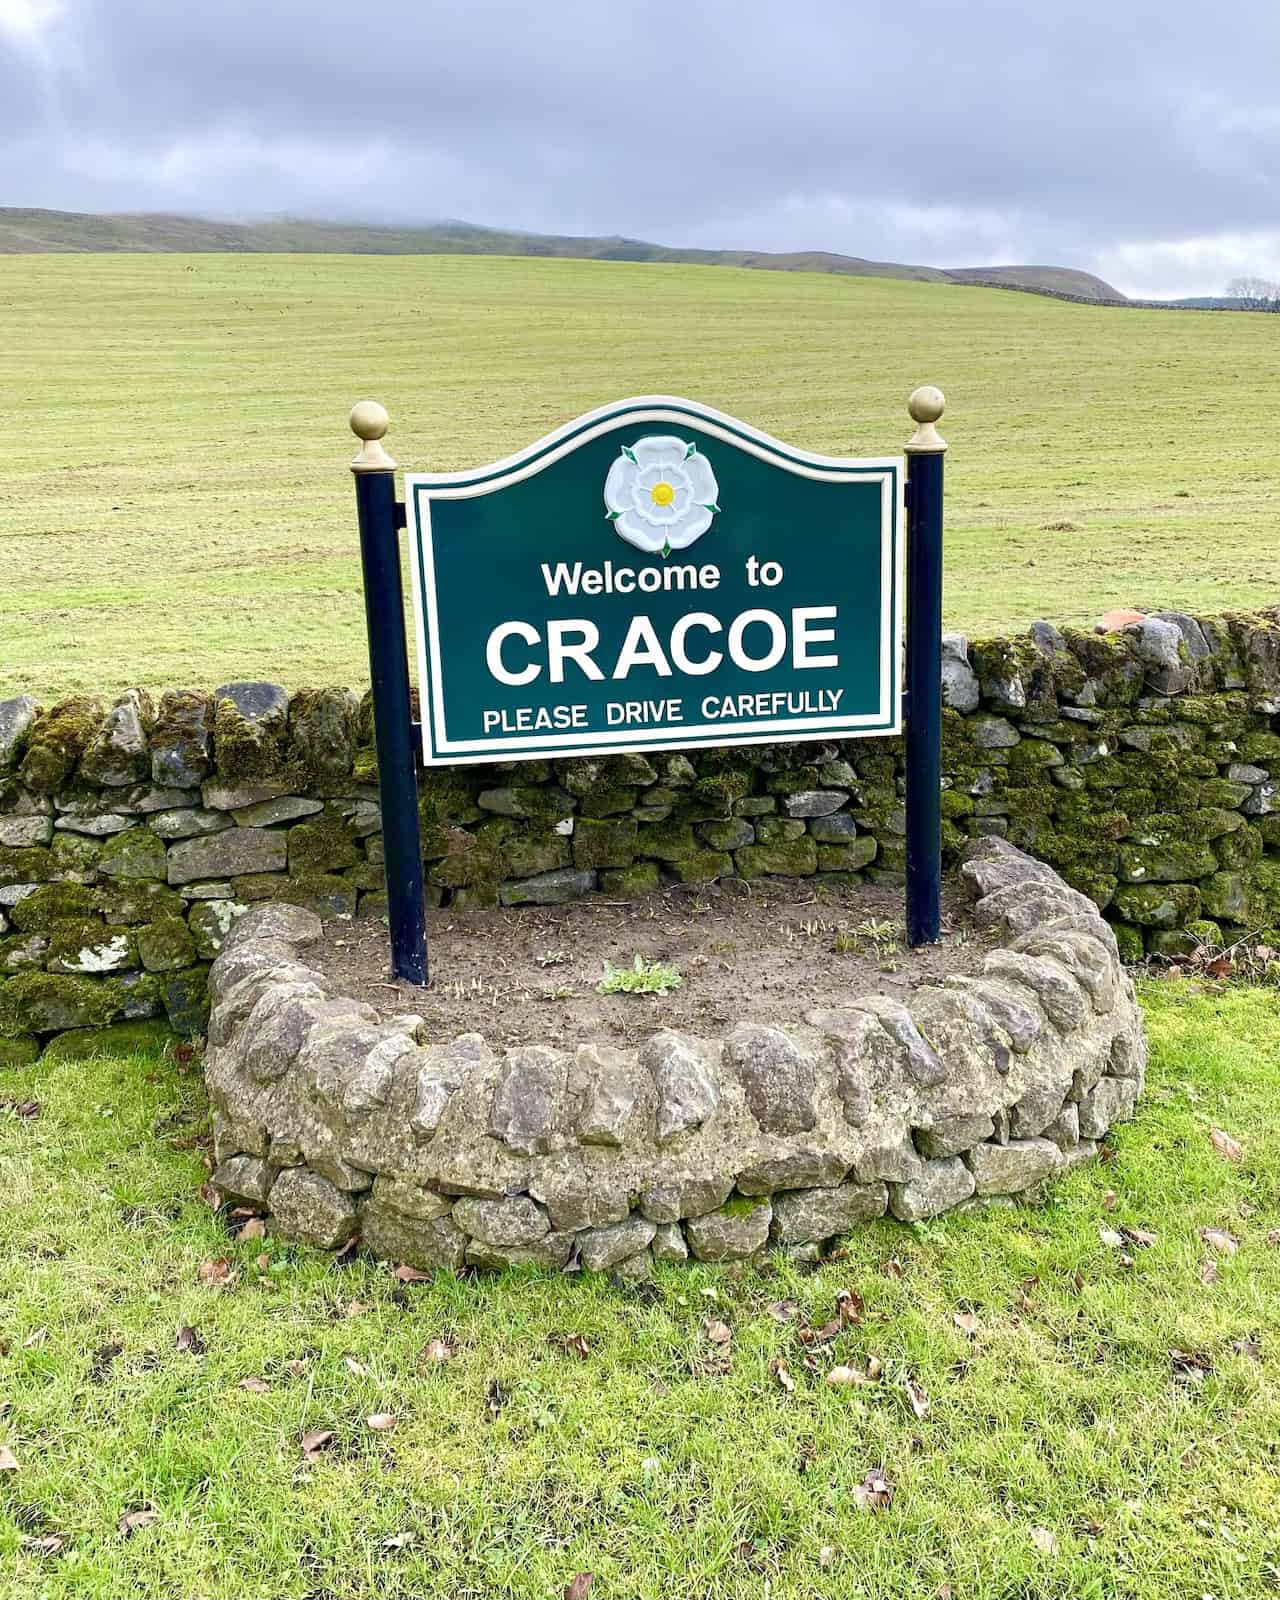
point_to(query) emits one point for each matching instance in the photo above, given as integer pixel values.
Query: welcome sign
(655, 575)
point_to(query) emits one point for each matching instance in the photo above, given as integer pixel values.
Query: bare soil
(529, 975)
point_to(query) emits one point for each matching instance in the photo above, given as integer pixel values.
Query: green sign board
(655, 575)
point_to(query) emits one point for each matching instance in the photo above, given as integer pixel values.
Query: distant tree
(1255, 294)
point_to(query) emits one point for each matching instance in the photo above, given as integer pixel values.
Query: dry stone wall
(1143, 765)
(450, 1153)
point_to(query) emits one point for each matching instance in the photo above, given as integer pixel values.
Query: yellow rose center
(662, 494)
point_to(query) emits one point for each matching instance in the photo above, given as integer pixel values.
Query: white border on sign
(423, 487)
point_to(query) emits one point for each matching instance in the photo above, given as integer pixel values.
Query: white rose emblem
(661, 494)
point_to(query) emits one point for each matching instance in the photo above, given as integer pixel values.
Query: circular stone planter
(453, 1154)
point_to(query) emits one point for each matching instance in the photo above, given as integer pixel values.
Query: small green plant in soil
(641, 977)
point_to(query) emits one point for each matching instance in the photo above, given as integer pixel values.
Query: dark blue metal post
(925, 453)
(389, 673)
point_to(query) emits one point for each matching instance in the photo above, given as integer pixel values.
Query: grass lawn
(175, 506)
(1065, 1450)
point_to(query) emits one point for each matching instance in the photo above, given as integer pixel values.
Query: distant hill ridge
(30, 232)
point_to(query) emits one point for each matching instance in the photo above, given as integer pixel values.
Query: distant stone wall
(1138, 763)
(447, 1152)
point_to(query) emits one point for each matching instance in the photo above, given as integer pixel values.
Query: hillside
(27, 232)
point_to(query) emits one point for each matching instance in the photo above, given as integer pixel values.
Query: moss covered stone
(666, 841)
(324, 844)
(703, 866)
(74, 859)
(18, 1052)
(116, 1039)
(1129, 941)
(133, 900)
(186, 1000)
(53, 903)
(23, 952)
(729, 835)
(628, 883)
(250, 723)
(46, 1002)
(135, 853)
(851, 857)
(57, 741)
(607, 800)
(1170, 942)
(792, 858)
(180, 740)
(322, 733)
(1239, 849)
(23, 864)
(1170, 862)
(778, 830)
(1226, 897)
(1034, 755)
(322, 892)
(478, 897)
(165, 945)
(1158, 905)
(721, 790)
(472, 859)
(604, 842)
(210, 923)
(530, 848)
(89, 948)
(550, 804)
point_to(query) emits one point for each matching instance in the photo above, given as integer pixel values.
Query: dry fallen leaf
(1140, 1236)
(1045, 1541)
(358, 1308)
(874, 1493)
(216, 1274)
(398, 1541)
(779, 1369)
(255, 1228)
(437, 1351)
(1249, 1346)
(296, 1369)
(916, 1397)
(1219, 1240)
(1109, 1200)
(189, 1339)
(843, 1377)
(1208, 1272)
(892, 1269)
(255, 1385)
(407, 1274)
(357, 1369)
(8, 1461)
(577, 1345)
(212, 1197)
(577, 1590)
(967, 1322)
(1227, 1147)
(1112, 1239)
(1190, 1364)
(849, 1305)
(827, 1557)
(783, 1310)
(381, 1422)
(35, 1338)
(48, 1544)
(314, 1442)
(143, 1517)
(718, 1332)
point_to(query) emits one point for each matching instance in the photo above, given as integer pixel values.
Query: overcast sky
(1139, 139)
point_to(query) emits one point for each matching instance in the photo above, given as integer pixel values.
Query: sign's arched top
(655, 574)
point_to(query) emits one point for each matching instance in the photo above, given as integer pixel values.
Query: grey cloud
(934, 131)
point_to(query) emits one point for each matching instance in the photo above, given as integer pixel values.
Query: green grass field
(1102, 1426)
(175, 506)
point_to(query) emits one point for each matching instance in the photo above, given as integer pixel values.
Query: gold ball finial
(926, 404)
(369, 421)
